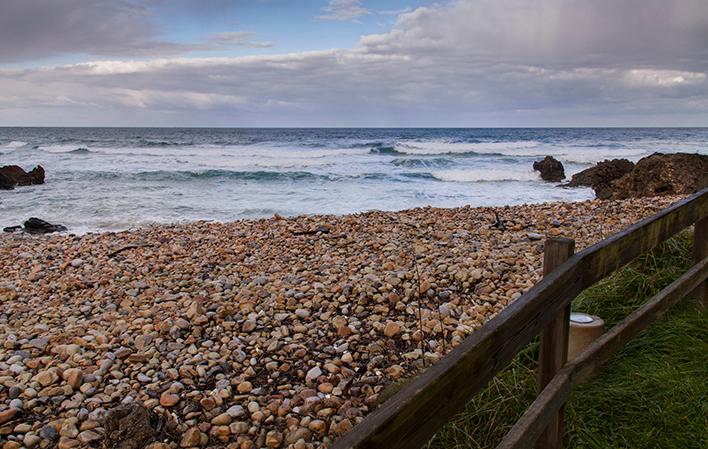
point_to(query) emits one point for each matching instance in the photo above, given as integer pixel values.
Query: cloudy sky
(468, 63)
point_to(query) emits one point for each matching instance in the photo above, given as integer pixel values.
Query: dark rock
(17, 228)
(13, 175)
(50, 433)
(37, 226)
(129, 426)
(6, 183)
(663, 174)
(551, 169)
(601, 176)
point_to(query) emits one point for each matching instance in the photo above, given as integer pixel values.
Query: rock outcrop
(36, 226)
(601, 176)
(13, 175)
(551, 169)
(663, 174)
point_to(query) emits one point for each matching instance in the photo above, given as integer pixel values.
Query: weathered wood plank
(588, 363)
(617, 251)
(412, 416)
(553, 351)
(700, 251)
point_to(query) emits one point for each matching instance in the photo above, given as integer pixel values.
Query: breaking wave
(481, 175)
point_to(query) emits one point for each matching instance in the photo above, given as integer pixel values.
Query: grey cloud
(430, 70)
(31, 29)
(564, 33)
(238, 38)
(343, 10)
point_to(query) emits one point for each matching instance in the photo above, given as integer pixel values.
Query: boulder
(6, 183)
(37, 226)
(551, 169)
(601, 176)
(13, 175)
(663, 174)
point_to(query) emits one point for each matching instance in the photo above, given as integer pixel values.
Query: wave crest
(482, 175)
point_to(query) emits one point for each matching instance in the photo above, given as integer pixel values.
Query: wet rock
(36, 226)
(551, 169)
(602, 175)
(663, 174)
(13, 175)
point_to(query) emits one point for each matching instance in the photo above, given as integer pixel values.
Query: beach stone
(49, 433)
(89, 436)
(69, 430)
(392, 329)
(313, 374)
(274, 439)
(7, 414)
(235, 411)
(31, 440)
(168, 399)
(191, 438)
(68, 443)
(46, 378)
(223, 419)
(74, 377)
(245, 387)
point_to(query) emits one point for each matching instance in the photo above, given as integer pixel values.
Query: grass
(653, 394)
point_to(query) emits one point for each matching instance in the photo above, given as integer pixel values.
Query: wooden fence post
(700, 250)
(554, 341)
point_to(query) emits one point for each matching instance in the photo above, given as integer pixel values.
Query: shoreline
(267, 332)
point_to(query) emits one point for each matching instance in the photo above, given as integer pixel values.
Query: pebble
(245, 335)
(191, 438)
(7, 414)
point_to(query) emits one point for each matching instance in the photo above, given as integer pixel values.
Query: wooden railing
(412, 416)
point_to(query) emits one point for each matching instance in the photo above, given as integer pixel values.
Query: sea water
(117, 178)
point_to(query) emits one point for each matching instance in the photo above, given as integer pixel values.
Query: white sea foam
(482, 175)
(513, 148)
(12, 145)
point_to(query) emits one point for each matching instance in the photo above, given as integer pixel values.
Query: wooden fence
(412, 416)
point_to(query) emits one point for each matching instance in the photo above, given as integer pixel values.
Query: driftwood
(126, 248)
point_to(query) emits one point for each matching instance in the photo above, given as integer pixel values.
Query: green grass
(653, 394)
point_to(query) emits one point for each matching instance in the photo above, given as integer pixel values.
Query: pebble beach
(268, 333)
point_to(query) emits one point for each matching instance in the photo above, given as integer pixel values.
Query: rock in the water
(6, 183)
(601, 176)
(551, 169)
(37, 226)
(663, 174)
(13, 175)
(129, 426)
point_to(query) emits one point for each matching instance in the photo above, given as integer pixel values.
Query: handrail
(538, 415)
(414, 414)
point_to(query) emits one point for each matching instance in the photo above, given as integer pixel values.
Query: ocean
(101, 179)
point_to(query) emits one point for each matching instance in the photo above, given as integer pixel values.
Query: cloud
(238, 38)
(343, 10)
(31, 29)
(467, 63)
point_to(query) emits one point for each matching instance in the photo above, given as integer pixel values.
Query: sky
(354, 63)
